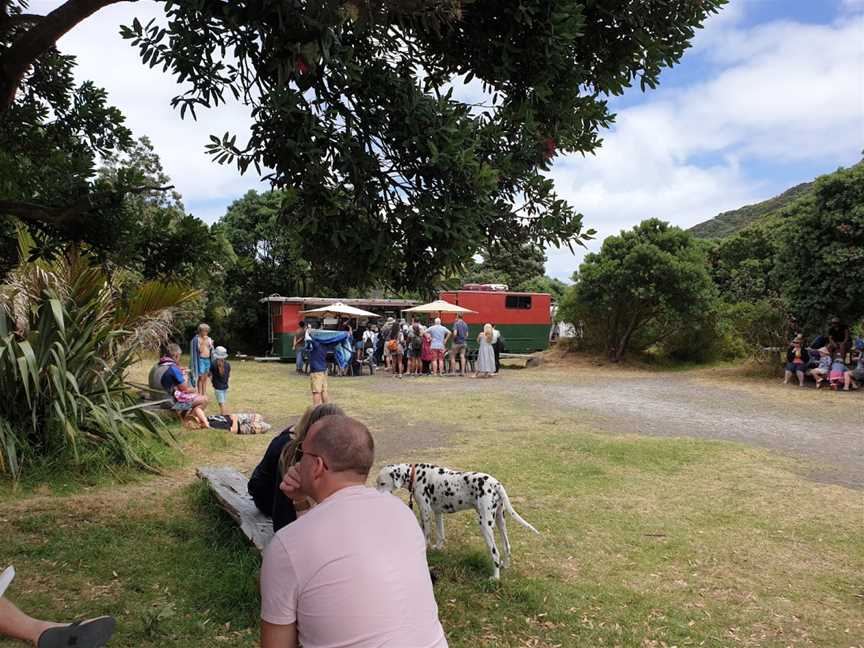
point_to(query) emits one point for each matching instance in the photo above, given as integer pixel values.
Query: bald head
(344, 443)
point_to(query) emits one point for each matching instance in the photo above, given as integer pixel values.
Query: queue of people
(834, 359)
(412, 349)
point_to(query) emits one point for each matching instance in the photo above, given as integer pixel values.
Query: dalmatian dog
(441, 490)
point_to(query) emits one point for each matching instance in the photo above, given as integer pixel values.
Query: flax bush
(67, 339)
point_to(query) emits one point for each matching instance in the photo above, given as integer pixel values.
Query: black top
(837, 333)
(220, 422)
(264, 484)
(805, 355)
(220, 381)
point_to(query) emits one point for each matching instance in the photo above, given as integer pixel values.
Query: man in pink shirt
(352, 571)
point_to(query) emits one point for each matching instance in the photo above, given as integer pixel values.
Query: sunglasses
(301, 452)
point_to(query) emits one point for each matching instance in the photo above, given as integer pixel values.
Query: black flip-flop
(81, 634)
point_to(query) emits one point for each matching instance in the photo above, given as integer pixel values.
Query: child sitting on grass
(219, 375)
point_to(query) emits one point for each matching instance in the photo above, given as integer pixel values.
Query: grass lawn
(644, 541)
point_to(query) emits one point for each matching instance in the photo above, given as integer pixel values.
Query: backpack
(393, 345)
(416, 343)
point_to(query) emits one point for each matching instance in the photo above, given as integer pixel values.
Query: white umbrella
(438, 306)
(338, 309)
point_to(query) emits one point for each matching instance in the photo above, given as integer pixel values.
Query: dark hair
(346, 444)
(394, 331)
(311, 416)
(301, 323)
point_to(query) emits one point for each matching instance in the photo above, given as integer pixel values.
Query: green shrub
(66, 342)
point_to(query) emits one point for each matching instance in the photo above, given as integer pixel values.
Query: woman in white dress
(486, 354)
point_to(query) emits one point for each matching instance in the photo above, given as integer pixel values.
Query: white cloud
(852, 6)
(781, 93)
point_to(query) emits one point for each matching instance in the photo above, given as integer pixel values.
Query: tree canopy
(389, 176)
(641, 288)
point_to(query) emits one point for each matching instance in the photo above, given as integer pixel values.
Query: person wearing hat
(219, 375)
(838, 335)
(821, 372)
(797, 358)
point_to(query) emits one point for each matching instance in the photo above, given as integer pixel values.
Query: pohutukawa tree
(393, 176)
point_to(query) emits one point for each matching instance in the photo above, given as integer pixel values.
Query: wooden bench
(229, 486)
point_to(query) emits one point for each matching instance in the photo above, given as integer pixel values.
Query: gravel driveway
(823, 428)
(827, 429)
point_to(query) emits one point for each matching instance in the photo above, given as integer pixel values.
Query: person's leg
(14, 623)
(201, 417)
(221, 397)
(298, 360)
(462, 361)
(786, 377)
(315, 383)
(800, 375)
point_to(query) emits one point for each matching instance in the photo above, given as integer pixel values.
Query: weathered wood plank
(229, 486)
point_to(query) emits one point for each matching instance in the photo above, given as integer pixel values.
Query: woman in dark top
(265, 479)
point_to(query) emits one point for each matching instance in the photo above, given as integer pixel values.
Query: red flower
(301, 65)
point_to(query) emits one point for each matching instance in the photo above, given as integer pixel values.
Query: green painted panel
(283, 345)
(518, 338)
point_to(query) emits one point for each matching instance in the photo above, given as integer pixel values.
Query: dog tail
(505, 502)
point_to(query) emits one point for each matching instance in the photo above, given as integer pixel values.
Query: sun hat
(220, 353)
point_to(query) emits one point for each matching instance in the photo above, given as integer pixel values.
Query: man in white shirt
(352, 571)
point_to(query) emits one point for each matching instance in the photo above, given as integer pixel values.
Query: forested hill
(729, 222)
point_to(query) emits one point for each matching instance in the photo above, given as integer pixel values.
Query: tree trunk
(37, 40)
(625, 339)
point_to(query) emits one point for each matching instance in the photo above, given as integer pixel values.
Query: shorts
(203, 366)
(858, 375)
(414, 353)
(457, 348)
(397, 352)
(358, 345)
(318, 380)
(221, 395)
(437, 354)
(795, 366)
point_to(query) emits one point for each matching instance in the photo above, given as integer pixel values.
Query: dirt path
(826, 429)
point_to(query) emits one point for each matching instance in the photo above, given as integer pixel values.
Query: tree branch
(18, 19)
(70, 216)
(37, 40)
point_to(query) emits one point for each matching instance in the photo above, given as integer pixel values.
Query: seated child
(838, 371)
(823, 368)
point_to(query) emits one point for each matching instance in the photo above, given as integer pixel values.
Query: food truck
(284, 316)
(523, 318)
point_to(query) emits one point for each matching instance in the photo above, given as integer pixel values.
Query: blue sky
(770, 95)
